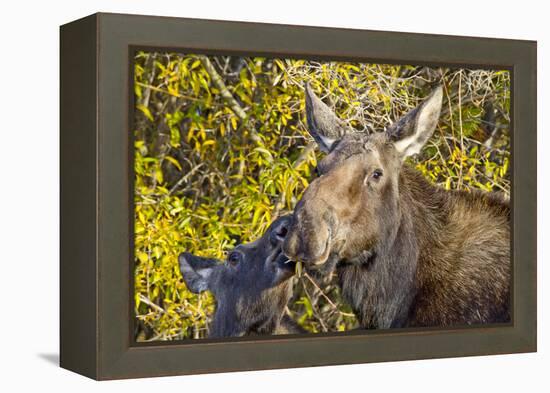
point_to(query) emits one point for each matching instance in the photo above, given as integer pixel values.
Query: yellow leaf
(137, 90)
(265, 152)
(202, 132)
(280, 64)
(157, 251)
(137, 299)
(174, 162)
(195, 64)
(159, 176)
(190, 133)
(173, 90)
(142, 218)
(145, 111)
(143, 257)
(256, 216)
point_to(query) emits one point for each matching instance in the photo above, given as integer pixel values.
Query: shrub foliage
(221, 149)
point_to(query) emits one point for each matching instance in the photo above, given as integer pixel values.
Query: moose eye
(377, 174)
(234, 258)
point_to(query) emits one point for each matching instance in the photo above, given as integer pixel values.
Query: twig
(459, 185)
(279, 204)
(159, 90)
(225, 93)
(326, 297)
(303, 155)
(224, 223)
(319, 289)
(184, 178)
(147, 93)
(228, 98)
(150, 303)
(315, 311)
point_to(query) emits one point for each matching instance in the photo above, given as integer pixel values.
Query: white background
(29, 193)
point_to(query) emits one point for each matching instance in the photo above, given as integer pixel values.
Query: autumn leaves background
(221, 149)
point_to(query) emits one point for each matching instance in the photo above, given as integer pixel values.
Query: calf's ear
(196, 271)
(411, 132)
(323, 124)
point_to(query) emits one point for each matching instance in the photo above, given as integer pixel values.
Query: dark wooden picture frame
(96, 196)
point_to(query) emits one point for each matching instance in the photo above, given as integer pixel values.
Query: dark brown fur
(407, 253)
(462, 272)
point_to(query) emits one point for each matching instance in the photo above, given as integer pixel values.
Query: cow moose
(252, 287)
(406, 252)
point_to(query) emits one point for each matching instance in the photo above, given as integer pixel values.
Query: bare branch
(225, 93)
(184, 178)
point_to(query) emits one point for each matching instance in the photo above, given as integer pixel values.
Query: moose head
(354, 203)
(251, 287)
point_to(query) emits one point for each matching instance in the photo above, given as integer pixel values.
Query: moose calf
(407, 253)
(252, 287)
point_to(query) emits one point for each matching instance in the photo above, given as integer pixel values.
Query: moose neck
(380, 283)
(225, 322)
(254, 312)
(384, 284)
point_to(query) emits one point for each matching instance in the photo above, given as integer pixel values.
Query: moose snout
(311, 247)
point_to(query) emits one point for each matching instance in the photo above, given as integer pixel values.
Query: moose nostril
(282, 232)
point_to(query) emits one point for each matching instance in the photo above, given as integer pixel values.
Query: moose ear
(412, 131)
(196, 271)
(323, 125)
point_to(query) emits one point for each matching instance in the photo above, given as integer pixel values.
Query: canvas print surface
(284, 196)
